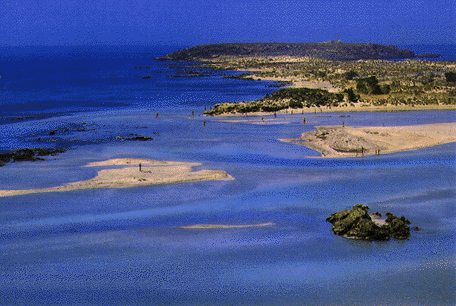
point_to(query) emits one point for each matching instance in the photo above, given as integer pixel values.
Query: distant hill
(331, 50)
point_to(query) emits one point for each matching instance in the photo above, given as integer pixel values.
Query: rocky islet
(358, 224)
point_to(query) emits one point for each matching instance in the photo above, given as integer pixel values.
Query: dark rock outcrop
(358, 224)
(134, 137)
(28, 155)
(139, 138)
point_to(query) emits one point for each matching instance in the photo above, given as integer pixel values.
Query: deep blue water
(447, 52)
(125, 247)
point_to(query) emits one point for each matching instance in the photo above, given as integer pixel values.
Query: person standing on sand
(140, 170)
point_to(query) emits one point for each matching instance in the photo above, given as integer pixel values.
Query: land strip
(335, 50)
(128, 173)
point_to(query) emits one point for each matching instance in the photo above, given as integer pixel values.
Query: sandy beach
(339, 141)
(127, 174)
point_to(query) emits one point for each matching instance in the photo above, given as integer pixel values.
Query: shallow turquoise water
(100, 246)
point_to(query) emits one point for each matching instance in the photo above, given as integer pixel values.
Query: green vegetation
(370, 85)
(282, 99)
(356, 72)
(242, 76)
(369, 82)
(351, 96)
(358, 224)
(450, 76)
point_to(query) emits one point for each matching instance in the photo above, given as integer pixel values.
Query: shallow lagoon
(124, 246)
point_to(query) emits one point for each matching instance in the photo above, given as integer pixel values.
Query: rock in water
(358, 224)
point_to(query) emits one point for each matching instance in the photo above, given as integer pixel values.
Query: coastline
(362, 107)
(340, 85)
(340, 141)
(129, 175)
(207, 242)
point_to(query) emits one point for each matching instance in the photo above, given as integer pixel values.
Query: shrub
(295, 104)
(350, 75)
(450, 76)
(352, 97)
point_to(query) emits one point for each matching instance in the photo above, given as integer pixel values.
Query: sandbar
(223, 226)
(126, 174)
(340, 141)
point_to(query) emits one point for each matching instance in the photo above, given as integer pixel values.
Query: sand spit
(338, 141)
(223, 226)
(126, 174)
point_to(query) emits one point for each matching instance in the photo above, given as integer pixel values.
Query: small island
(335, 50)
(358, 224)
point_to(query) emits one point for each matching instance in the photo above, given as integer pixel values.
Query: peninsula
(331, 76)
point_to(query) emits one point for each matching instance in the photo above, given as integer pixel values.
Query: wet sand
(338, 141)
(224, 226)
(126, 174)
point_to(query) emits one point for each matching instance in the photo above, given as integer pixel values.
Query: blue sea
(126, 247)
